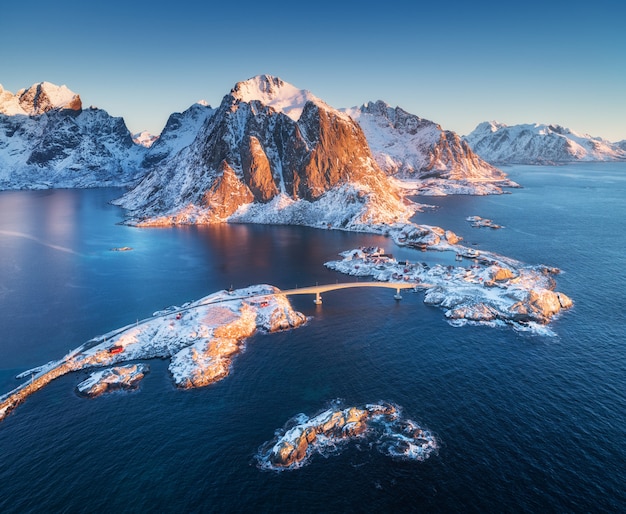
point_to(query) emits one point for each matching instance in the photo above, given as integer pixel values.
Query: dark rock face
(257, 172)
(339, 151)
(227, 193)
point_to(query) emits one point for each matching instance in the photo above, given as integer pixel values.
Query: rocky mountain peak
(410, 147)
(45, 96)
(144, 138)
(268, 142)
(48, 140)
(276, 93)
(398, 118)
(257, 87)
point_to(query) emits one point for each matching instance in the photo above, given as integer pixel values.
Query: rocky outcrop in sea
(328, 432)
(485, 288)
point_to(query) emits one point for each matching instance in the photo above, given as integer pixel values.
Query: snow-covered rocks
(330, 430)
(113, 379)
(209, 359)
(478, 222)
(488, 289)
(200, 339)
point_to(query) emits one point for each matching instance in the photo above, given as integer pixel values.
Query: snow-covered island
(478, 222)
(200, 339)
(113, 379)
(330, 431)
(487, 289)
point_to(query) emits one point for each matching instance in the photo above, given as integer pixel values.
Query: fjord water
(525, 422)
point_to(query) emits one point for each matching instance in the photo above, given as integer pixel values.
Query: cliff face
(410, 147)
(247, 151)
(539, 144)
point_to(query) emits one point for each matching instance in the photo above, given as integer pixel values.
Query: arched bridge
(318, 290)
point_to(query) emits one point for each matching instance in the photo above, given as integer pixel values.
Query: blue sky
(456, 63)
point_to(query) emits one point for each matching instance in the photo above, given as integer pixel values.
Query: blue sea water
(525, 423)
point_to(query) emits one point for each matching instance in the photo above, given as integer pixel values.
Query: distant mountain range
(540, 144)
(270, 152)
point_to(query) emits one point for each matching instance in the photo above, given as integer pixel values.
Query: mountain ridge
(536, 143)
(48, 140)
(409, 147)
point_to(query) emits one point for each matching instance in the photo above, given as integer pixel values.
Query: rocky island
(478, 222)
(329, 431)
(488, 289)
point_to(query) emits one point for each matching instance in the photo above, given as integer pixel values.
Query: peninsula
(200, 339)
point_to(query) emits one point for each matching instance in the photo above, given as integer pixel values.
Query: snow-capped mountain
(270, 149)
(38, 99)
(48, 140)
(539, 144)
(144, 138)
(409, 147)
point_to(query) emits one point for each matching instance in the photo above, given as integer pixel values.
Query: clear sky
(456, 63)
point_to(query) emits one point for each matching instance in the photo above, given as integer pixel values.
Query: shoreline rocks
(491, 289)
(113, 379)
(478, 222)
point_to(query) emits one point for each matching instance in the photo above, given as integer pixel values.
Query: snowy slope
(276, 93)
(539, 144)
(409, 147)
